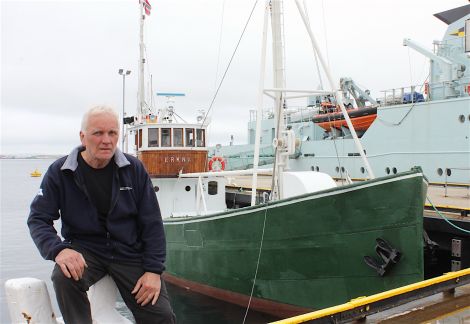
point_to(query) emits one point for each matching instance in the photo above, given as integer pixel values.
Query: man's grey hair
(98, 110)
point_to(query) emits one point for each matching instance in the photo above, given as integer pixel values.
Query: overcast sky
(59, 58)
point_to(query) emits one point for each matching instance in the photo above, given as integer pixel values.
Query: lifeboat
(332, 117)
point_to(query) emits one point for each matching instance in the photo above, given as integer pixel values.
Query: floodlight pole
(124, 74)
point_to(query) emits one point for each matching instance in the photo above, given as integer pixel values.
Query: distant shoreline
(32, 157)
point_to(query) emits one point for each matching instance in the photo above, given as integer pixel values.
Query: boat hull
(312, 246)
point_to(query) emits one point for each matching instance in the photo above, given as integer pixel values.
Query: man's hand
(72, 263)
(147, 288)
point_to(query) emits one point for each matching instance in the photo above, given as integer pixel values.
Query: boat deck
(453, 200)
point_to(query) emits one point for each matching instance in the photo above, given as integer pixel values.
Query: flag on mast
(147, 6)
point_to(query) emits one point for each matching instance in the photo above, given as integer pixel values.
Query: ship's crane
(347, 85)
(441, 84)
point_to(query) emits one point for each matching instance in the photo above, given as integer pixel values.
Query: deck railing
(449, 172)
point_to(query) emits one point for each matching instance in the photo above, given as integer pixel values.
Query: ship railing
(305, 112)
(404, 95)
(448, 173)
(267, 113)
(426, 92)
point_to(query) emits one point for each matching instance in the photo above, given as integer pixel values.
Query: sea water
(20, 258)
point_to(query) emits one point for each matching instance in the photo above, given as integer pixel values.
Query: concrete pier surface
(446, 307)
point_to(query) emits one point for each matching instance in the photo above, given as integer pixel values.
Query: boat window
(177, 137)
(166, 137)
(140, 138)
(212, 187)
(251, 136)
(394, 170)
(189, 137)
(153, 137)
(200, 138)
(387, 170)
(439, 172)
(462, 118)
(467, 36)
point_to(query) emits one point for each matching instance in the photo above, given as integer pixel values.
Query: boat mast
(259, 111)
(284, 141)
(279, 82)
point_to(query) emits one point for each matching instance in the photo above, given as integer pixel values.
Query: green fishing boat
(308, 244)
(305, 252)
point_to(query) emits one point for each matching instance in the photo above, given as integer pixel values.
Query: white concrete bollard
(29, 302)
(102, 296)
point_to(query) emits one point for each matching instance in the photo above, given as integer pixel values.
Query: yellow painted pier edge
(365, 301)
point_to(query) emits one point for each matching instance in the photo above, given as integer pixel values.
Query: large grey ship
(426, 125)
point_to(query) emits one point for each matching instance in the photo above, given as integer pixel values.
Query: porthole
(462, 118)
(156, 188)
(387, 170)
(187, 188)
(469, 118)
(342, 169)
(212, 188)
(317, 168)
(394, 170)
(440, 172)
(449, 172)
(363, 170)
(312, 168)
(337, 169)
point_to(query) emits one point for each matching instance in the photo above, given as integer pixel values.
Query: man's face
(100, 139)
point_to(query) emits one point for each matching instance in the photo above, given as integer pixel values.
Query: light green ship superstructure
(432, 132)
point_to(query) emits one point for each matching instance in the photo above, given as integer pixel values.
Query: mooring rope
(229, 64)
(446, 219)
(257, 265)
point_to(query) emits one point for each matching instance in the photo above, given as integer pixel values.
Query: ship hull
(312, 246)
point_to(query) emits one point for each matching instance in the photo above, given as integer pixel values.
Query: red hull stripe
(257, 304)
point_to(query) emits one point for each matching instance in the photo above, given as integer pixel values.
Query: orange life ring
(217, 163)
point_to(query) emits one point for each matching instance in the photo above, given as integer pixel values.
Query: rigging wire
(325, 32)
(229, 63)
(314, 52)
(407, 113)
(409, 66)
(220, 45)
(426, 80)
(257, 264)
(328, 62)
